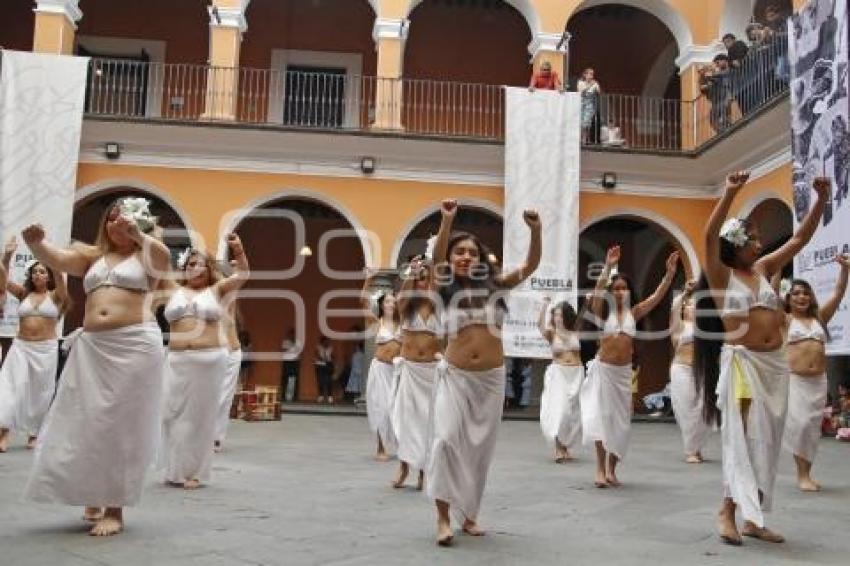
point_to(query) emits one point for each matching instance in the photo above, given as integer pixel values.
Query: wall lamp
(112, 150)
(367, 165)
(609, 180)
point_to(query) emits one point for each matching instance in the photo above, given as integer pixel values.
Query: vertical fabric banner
(542, 166)
(41, 117)
(821, 146)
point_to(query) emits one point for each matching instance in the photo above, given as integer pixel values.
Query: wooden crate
(262, 404)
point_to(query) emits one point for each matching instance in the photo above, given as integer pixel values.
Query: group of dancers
(122, 401)
(753, 356)
(436, 383)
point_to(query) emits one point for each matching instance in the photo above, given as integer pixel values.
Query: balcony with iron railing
(335, 101)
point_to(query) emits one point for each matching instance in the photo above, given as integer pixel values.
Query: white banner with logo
(819, 116)
(41, 117)
(542, 166)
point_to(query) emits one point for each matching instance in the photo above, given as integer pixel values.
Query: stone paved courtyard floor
(307, 491)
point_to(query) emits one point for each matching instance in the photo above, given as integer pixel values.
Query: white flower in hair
(785, 287)
(735, 232)
(137, 209)
(183, 258)
(430, 246)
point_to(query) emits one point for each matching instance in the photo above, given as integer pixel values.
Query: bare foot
(808, 484)
(217, 446)
(31, 442)
(693, 459)
(382, 457)
(4, 439)
(611, 479)
(92, 514)
(112, 523)
(600, 480)
(420, 483)
(761, 533)
(445, 535)
(403, 470)
(726, 527)
(192, 484)
(471, 528)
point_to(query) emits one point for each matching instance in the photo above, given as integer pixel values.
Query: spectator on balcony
(736, 50)
(545, 78)
(775, 18)
(715, 85)
(589, 90)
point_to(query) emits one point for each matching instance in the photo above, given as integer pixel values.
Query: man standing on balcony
(716, 86)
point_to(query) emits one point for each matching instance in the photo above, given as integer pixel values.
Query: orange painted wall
(776, 184)
(17, 24)
(183, 25)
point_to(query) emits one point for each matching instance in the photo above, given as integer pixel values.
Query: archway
(483, 222)
(16, 27)
(645, 247)
(524, 7)
(291, 290)
(90, 206)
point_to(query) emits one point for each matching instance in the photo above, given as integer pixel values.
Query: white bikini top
(739, 299)
(571, 344)
(687, 335)
(797, 331)
(456, 319)
(47, 308)
(129, 273)
(386, 335)
(613, 326)
(203, 305)
(415, 323)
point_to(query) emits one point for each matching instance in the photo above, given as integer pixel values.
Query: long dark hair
(416, 300)
(30, 286)
(380, 304)
(633, 296)
(709, 330)
(568, 315)
(814, 308)
(486, 281)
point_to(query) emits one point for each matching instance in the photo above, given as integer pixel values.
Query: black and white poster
(821, 145)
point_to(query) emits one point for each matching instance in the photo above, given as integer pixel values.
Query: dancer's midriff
(475, 348)
(567, 358)
(420, 346)
(387, 351)
(191, 333)
(684, 355)
(759, 331)
(807, 358)
(108, 308)
(616, 350)
(36, 328)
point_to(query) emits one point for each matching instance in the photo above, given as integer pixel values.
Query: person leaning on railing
(545, 79)
(715, 84)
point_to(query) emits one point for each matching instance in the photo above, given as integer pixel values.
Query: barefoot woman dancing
(101, 433)
(739, 361)
(197, 360)
(606, 397)
(382, 316)
(807, 336)
(560, 410)
(687, 402)
(28, 377)
(470, 388)
(421, 346)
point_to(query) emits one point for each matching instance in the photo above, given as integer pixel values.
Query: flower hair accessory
(785, 287)
(735, 232)
(137, 209)
(183, 258)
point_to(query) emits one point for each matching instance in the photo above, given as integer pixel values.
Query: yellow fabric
(739, 380)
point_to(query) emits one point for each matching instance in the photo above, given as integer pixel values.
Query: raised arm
(448, 211)
(60, 292)
(406, 289)
(773, 262)
(598, 298)
(366, 298)
(17, 290)
(239, 263)
(717, 273)
(827, 310)
(70, 261)
(513, 278)
(645, 307)
(541, 322)
(676, 322)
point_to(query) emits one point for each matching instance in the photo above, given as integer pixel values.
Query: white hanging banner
(821, 146)
(41, 117)
(542, 172)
